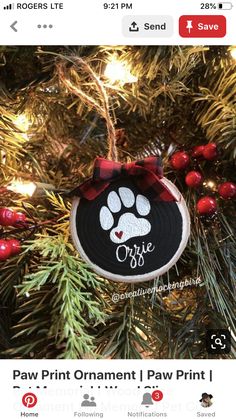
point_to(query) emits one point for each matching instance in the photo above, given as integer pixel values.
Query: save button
(202, 26)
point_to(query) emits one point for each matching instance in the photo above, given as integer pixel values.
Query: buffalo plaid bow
(146, 173)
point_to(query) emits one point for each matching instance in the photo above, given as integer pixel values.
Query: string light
(210, 184)
(22, 187)
(22, 122)
(28, 188)
(119, 72)
(233, 52)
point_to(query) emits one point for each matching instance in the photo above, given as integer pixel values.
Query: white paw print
(128, 225)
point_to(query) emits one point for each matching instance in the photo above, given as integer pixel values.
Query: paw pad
(128, 225)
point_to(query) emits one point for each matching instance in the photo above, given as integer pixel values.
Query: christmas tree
(173, 102)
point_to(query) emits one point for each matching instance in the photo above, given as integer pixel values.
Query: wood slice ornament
(129, 223)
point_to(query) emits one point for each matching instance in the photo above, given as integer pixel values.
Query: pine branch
(216, 111)
(73, 308)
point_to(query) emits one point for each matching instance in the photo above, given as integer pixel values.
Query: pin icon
(29, 400)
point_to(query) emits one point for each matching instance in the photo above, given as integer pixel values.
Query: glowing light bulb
(119, 72)
(22, 122)
(210, 184)
(233, 52)
(22, 187)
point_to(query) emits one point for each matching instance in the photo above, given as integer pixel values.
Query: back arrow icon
(13, 26)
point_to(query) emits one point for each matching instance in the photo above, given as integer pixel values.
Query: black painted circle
(165, 235)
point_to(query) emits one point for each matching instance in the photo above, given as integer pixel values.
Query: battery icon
(225, 6)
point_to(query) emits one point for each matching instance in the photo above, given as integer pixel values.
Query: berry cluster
(9, 218)
(9, 248)
(194, 179)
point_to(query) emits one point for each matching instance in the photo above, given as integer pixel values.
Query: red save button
(196, 26)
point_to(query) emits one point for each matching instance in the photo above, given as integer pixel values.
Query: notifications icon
(157, 395)
(149, 398)
(29, 400)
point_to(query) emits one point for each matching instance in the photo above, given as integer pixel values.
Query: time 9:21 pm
(118, 6)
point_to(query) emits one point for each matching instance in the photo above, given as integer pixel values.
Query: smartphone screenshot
(117, 209)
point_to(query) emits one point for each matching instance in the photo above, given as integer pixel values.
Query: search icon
(218, 341)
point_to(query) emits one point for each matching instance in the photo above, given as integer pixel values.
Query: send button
(155, 27)
(148, 26)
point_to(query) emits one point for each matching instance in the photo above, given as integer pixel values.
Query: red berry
(194, 179)
(180, 160)
(210, 151)
(7, 217)
(20, 218)
(197, 151)
(15, 246)
(5, 250)
(206, 205)
(227, 190)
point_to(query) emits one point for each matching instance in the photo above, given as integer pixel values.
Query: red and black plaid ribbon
(146, 173)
